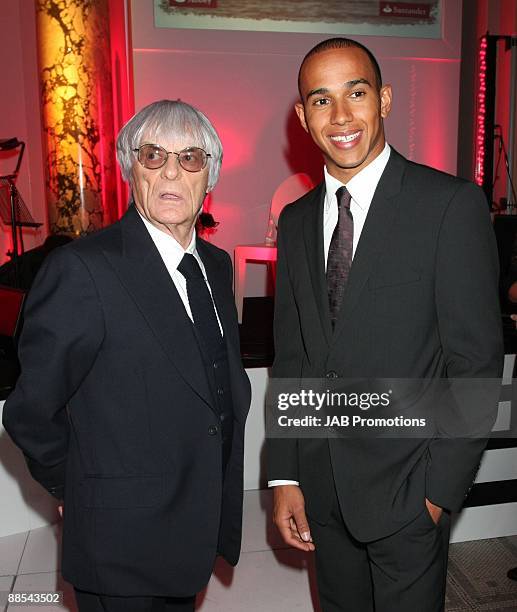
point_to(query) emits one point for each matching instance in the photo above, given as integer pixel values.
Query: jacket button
(220, 391)
(212, 430)
(331, 374)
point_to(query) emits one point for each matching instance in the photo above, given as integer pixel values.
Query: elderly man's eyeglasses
(192, 159)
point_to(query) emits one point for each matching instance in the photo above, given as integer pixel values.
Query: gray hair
(167, 118)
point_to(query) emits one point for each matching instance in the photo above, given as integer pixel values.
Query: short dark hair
(341, 43)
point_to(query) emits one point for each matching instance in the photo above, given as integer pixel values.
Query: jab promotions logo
(194, 3)
(404, 9)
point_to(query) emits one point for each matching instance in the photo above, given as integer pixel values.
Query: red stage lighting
(481, 113)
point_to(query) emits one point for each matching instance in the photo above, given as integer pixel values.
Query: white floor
(268, 578)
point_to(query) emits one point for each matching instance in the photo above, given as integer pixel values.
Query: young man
(387, 269)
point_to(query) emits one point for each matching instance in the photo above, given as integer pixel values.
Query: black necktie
(339, 258)
(201, 304)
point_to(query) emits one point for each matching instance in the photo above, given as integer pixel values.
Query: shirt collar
(167, 246)
(363, 185)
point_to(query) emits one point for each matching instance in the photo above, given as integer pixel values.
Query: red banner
(411, 10)
(193, 3)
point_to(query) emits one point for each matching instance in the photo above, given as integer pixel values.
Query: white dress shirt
(172, 253)
(362, 189)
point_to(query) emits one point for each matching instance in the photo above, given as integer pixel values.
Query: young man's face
(343, 110)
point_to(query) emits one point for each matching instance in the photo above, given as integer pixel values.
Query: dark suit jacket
(114, 392)
(421, 302)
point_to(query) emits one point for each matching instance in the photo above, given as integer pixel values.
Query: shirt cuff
(279, 483)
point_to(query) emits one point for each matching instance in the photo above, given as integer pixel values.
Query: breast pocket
(396, 295)
(388, 278)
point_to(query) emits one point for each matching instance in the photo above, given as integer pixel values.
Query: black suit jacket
(421, 303)
(114, 392)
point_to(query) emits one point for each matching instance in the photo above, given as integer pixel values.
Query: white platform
(25, 505)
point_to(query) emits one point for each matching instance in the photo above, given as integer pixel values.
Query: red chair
(11, 304)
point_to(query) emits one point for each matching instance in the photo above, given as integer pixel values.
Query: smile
(348, 138)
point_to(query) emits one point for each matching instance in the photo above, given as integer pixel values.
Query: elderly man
(132, 399)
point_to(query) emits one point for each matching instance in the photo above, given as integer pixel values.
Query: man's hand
(434, 511)
(289, 517)
(60, 510)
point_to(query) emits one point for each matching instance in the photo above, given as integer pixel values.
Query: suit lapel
(222, 296)
(216, 278)
(141, 270)
(313, 240)
(378, 225)
(220, 285)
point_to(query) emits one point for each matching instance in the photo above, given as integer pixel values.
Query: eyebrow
(349, 84)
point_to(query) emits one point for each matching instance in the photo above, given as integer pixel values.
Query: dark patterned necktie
(339, 258)
(201, 304)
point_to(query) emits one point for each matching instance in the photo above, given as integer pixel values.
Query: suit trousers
(403, 572)
(93, 602)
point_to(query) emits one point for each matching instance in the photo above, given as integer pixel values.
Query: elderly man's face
(170, 197)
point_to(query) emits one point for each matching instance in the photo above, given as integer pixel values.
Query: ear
(386, 98)
(300, 111)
